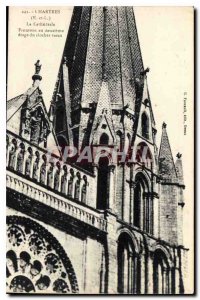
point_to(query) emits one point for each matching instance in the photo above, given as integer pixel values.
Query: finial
(178, 155)
(145, 71)
(37, 67)
(164, 125)
(36, 76)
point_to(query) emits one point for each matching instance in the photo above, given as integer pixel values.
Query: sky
(166, 41)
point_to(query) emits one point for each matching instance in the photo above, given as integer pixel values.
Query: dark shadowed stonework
(103, 226)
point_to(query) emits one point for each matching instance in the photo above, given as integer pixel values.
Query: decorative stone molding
(60, 203)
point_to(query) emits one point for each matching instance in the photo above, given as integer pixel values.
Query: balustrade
(38, 165)
(83, 214)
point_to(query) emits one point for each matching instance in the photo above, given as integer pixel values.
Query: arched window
(84, 189)
(145, 126)
(70, 183)
(64, 180)
(102, 183)
(83, 193)
(35, 260)
(20, 158)
(142, 204)
(120, 140)
(50, 175)
(104, 139)
(137, 205)
(77, 187)
(28, 162)
(43, 170)
(143, 155)
(57, 177)
(160, 273)
(128, 267)
(12, 154)
(129, 140)
(59, 119)
(36, 165)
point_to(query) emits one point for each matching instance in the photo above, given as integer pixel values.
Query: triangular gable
(15, 103)
(147, 109)
(14, 116)
(103, 114)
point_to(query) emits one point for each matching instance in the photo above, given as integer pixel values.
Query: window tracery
(35, 260)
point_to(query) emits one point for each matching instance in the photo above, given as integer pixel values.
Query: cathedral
(93, 205)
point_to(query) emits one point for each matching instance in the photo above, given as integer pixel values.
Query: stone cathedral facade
(103, 226)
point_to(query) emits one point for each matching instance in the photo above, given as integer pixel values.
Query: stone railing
(58, 202)
(46, 169)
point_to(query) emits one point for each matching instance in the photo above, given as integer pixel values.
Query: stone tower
(114, 226)
(101, 68)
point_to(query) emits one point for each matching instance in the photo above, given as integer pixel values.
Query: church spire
(166, 163)
(102, 45)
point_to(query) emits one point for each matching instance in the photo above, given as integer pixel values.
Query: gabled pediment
(27, 117)
(146, 123)
(103, 122)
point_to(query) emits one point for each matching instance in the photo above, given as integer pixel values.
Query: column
(26, 153)
(150, 277)
(155, 215)
(111, 254)
(16, 156)
(111, 188)
(145, 213)
(57, 176)
(169, 280)
(131, 273)
(128, 274)
(164, 281)
(177, 281)
(33, 160)
(142, 274)
(160, 280)
(125, 271)
(80, 188)
(142, 207)
(135, 275)
(177, 272)
(132, 184)
(93, 188)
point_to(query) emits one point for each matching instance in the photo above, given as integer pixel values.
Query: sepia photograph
(100, 150)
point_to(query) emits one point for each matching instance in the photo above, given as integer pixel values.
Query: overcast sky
(166, 39)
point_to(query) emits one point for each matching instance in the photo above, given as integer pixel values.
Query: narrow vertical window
(145, 126)
(102, 184)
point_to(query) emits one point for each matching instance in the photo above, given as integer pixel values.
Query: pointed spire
(102, 42)
(179, 168)
(166, 163)
(102, 46)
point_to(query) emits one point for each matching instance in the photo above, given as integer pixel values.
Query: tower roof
(103, 41)
(15, 103)
(166, 163)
